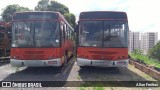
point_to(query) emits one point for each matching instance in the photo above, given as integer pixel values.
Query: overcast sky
(143, 15)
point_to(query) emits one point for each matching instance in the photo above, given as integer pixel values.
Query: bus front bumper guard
(36, 63)
(102, 63)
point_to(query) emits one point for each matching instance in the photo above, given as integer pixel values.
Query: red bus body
(37, 54)
(102, 39)
(4, 39)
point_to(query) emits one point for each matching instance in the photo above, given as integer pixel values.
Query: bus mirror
(76, 29)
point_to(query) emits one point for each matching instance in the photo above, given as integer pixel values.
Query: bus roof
(36, 15)
(102, 15)
(30, 15)
(36, 12)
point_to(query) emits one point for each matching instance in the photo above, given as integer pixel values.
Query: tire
(65, 60)
(1, 53)
(82, 67)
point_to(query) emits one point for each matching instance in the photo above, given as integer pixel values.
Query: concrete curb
(153, 73)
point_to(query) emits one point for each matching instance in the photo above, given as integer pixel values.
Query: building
(142, 41)
(134, 41)
(148, 40)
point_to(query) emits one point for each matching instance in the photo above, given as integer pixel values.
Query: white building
(148, 40)
(134, 41)
(142, 41)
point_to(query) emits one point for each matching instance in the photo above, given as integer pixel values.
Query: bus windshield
(35, 34)
(103, 34)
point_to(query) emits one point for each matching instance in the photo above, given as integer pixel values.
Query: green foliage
(42, 5)
(145, 59)
(98, 88)
(46, 5)
(155, 52)
(137, 51)
(91, 88)
(10, 10)
(70, 18)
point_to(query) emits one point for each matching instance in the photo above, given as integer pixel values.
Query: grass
(17, 69)
(146, 59)
(117, 88)
(78, 77)
(91, 88)
(98, 88)
(88, 84)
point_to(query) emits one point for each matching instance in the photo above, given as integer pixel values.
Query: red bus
(9, 32)
(102, 39)
(41, 38)
(4, 40)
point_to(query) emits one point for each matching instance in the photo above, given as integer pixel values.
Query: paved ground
(71, 72)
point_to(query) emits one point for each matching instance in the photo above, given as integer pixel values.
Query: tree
(137, 51)
(155, 51)
(70, 18)
(46, 5)
(43, 5)
(10, 10)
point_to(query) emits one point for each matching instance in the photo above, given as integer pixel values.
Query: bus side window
(64, 32)
(61, 29)
(67, 32)
(63, 36)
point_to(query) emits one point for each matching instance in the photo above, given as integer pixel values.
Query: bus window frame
(34, 32)
(79, 24)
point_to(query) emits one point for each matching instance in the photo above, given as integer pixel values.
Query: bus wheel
(1, 53)
(82, 67)
(65, 60)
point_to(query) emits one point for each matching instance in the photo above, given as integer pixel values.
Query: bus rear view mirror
(76, 29)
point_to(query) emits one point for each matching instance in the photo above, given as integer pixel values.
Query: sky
(143, 15)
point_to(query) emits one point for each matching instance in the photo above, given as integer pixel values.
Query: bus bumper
(102, 63)
(36, 63)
